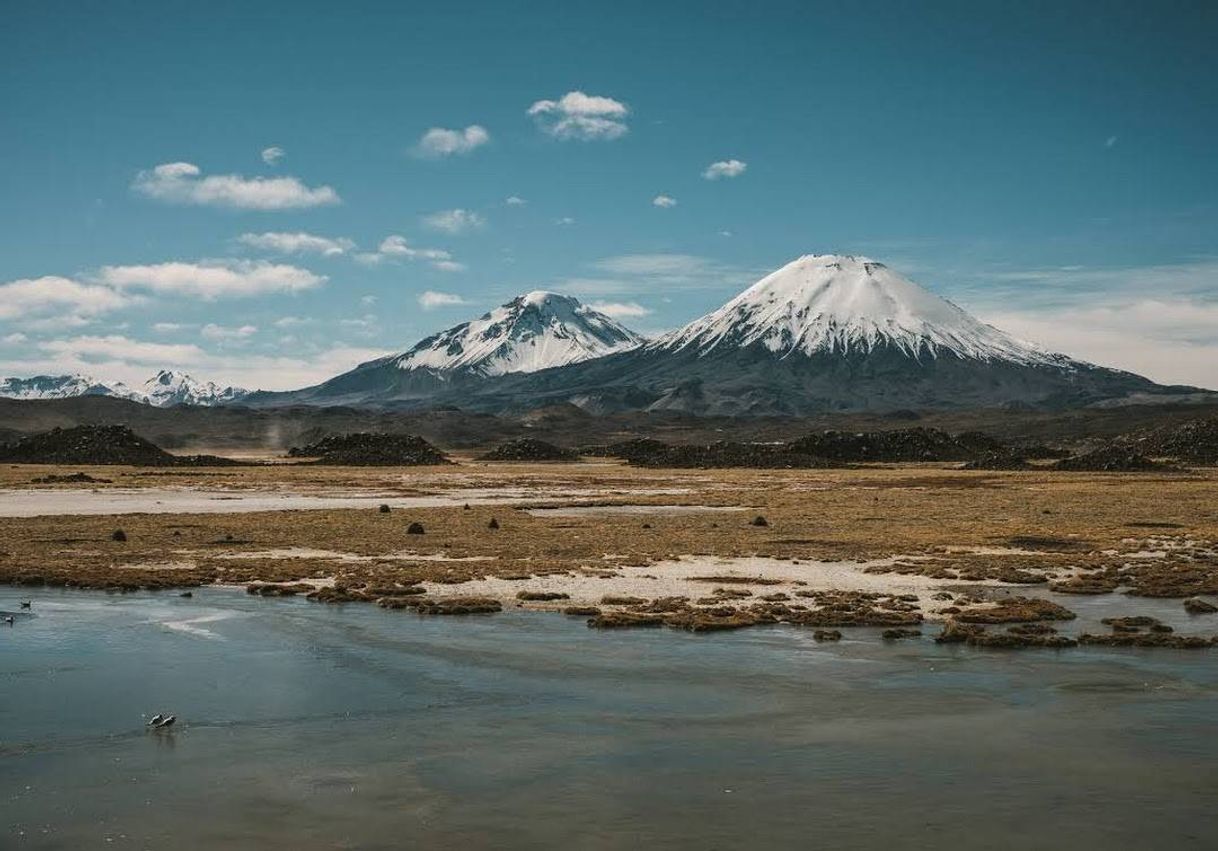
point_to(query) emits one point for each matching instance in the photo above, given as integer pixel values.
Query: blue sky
(1049, 166)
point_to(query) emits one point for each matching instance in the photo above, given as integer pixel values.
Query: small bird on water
(155, 720)
(25, 604)
(167, 721)
(8, 619)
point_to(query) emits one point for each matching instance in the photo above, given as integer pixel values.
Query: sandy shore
(51, 502)
(697, 577)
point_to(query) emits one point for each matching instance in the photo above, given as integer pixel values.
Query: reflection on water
(310, 726)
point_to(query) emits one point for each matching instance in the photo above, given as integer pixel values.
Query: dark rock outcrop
(529, 449)
(370, 449)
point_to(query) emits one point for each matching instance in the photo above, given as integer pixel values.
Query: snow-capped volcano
(170, 387)
(847, 305)
(164, 389)
(824, 333)
(531, 332)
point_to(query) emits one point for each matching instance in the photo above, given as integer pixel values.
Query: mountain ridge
(822, 333)
(165, 389)
(533, 332)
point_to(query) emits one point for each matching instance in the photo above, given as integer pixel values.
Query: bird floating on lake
(155, 720)
(25, 604)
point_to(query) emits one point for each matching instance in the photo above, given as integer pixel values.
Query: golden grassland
(1150, 534)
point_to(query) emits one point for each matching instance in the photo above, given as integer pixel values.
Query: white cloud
(663, 201)
(184, 183)
(15, 339)
(564, 221)
(215, 279)
(297, 243)
(211, 331)
(167, 327)
(580, 116)
(363, 324)
(439, 142)
(724, 168)
(273, 154)
(431, 299)
(621, 309)
(291, 321)
(1172, 340)
(119, 348)
(397, 247)
(454, 221)
(515, 201)
(29, 297)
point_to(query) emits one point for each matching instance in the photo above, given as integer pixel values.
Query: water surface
(313, 726)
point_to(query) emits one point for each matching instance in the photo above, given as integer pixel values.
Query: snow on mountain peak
(170, 387)
(166, 388)
(63, 387)
(534, 331)
(843, 304)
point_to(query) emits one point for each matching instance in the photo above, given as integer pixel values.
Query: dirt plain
(881, 545)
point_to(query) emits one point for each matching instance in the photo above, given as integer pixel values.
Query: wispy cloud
(683, 265)
(431, 299)
(214, 279)
(663, 201)
(439, 142)
(273, 154)
(397, 247)
(116, 347)
(1064, 285)
(212, 331)
(297, 243)
(184, 183)
(621, 309)
(580, 116)
(454, 221)
(724, 168)
(514, 201)
(630, 274)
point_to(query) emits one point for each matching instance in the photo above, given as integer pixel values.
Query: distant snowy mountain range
(167, 387)
(824, 333)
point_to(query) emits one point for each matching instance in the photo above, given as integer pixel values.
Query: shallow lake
(305, 726)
